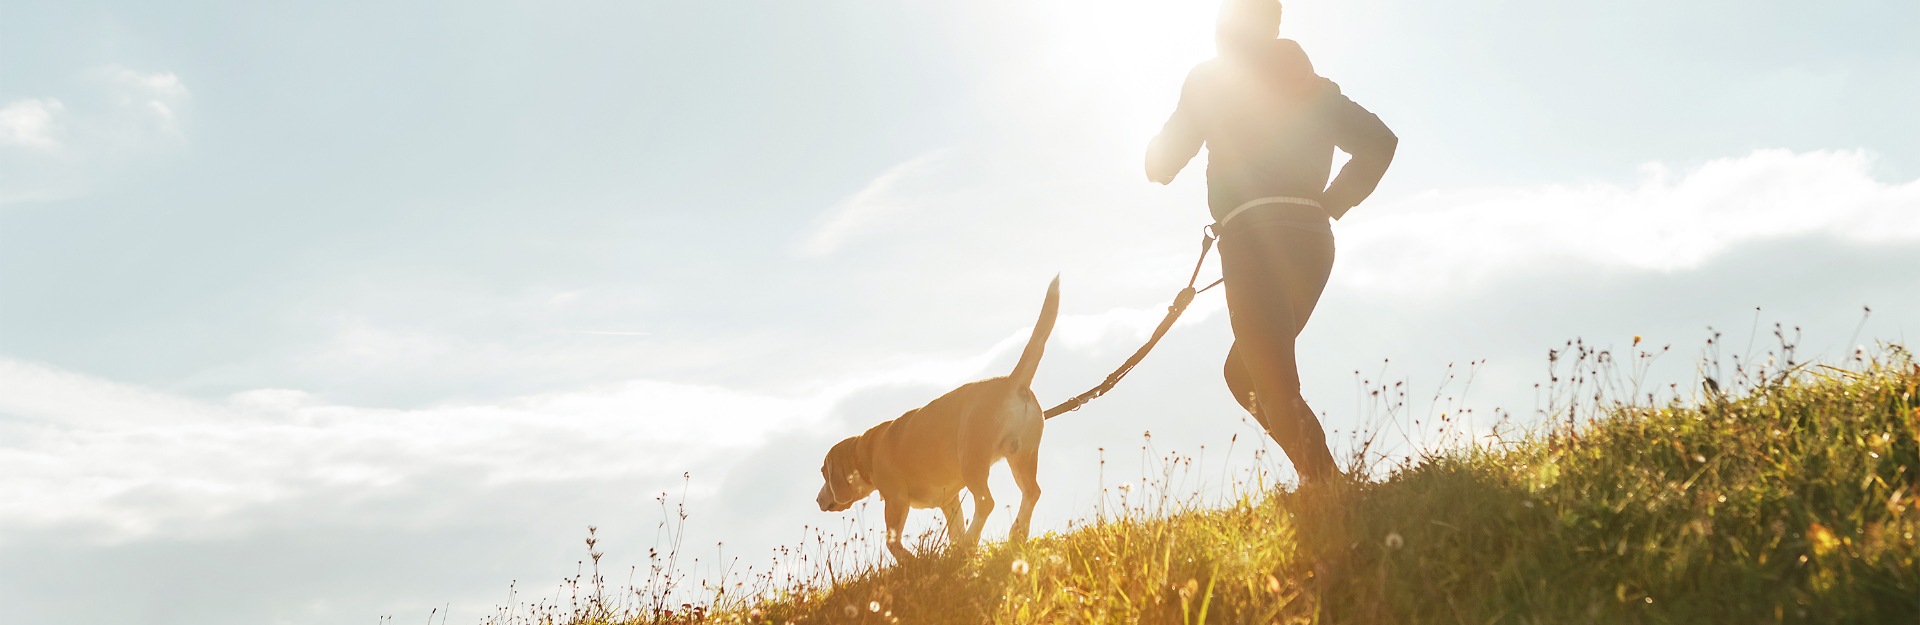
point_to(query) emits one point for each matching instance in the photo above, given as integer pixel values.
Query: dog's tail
(1022, 375)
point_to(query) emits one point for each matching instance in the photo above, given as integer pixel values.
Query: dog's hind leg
(1026, 470)
(896, 525)
(976, 481)
(956, 520)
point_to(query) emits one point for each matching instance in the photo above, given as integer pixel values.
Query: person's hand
(1160, 175)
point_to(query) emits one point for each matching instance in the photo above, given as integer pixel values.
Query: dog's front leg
(956, 521)
(896, 525)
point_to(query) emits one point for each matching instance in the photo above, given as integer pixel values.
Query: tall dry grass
(1779, 491)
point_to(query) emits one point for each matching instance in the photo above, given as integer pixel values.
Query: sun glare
(1130, 56)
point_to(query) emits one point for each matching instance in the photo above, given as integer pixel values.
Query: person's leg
(1270, 373)
(1274, 278)
(1240, 380)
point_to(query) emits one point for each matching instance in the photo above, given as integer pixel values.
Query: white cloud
(32, 123)
(1664, 222)
(131, 461)
(154, 99)
(68, 145)
(866, 211)
(44, 394)
(129, 109)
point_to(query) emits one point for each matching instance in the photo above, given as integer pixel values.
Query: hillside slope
(1797, 501)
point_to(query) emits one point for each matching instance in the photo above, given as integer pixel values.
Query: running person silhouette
(1270, 125)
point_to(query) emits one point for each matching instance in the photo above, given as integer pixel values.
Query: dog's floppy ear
(831, 473)
(840, 468)
(861, 446)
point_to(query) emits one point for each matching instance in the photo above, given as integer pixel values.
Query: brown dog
(923, 458)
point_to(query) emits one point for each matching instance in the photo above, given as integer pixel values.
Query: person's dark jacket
(1270, 126)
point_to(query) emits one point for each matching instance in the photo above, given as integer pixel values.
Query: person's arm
(1361, 134)
(1180, 139)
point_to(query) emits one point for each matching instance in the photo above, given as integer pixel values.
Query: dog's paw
(964, 546)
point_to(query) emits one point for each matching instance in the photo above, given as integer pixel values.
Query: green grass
(1797, 500)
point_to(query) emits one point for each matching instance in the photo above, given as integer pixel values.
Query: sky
(332, 312)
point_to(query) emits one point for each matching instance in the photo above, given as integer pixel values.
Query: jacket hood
(1279, 60)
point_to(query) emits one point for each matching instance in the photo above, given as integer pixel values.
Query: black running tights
(1276, 268)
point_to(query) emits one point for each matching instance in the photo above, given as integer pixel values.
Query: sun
(1076, 65)
(1136, 52)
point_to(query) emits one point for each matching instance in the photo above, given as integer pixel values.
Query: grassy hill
(1795, 498)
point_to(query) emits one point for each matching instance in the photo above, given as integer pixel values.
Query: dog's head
(845, 484)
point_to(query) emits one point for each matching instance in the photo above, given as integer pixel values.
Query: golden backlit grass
(1798, 500)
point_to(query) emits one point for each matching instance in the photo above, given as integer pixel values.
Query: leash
(1180, 302)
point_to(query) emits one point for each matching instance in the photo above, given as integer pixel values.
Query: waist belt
(1265, 201)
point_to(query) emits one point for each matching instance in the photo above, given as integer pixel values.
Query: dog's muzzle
(827, 504)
